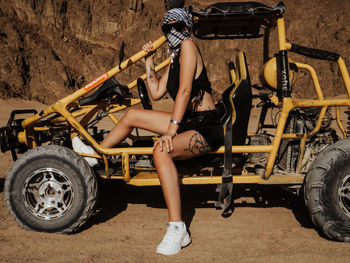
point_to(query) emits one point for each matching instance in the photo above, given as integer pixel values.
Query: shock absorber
(348, 123)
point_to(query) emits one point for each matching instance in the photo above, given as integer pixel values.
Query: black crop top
(199, 85)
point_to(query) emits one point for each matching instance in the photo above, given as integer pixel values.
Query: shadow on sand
(114, 197)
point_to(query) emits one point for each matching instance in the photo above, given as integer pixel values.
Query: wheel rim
(48, 193)
(344, 195)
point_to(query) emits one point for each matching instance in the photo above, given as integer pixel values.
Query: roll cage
(218, 21)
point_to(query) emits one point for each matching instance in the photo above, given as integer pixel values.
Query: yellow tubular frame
(144, 178)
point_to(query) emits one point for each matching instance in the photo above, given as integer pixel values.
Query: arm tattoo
(198, 145)
(151, 72)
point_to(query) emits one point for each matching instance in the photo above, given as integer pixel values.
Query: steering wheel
(141, 87)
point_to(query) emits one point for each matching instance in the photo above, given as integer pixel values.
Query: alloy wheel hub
(48, 193)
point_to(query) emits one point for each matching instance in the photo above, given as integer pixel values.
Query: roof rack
(233, 20)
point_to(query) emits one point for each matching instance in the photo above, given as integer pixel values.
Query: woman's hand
(148, 48)
(165, 142)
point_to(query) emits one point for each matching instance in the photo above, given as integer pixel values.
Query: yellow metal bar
(85, 109)
(247, 149)
(221, 150)
(340, 125)
(250, 179)
(274, 100)
(292, 135)
(321, 103)
(315, 130)
(106, 166)
(101, 79)
(30, 137)
(319, 122)
(114, 177)
(314, 78)
(301, 136)
(116, 108)
(75, 114)
(50, 110)
(281, 29)
(126, 167)
(46, 128)
(82, 91)
(233, 76)
(22, 137)
(287, 106)
(157, 68)
(113, 118)
(38, 116)
(288, 46)
(151, 179)
(345, 74)
(89, 155)
(143, 150)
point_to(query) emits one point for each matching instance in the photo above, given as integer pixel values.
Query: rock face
(51, 48)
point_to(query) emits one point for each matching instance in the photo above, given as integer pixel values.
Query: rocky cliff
(51, 48)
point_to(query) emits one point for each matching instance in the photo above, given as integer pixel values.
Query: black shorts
(207, 124)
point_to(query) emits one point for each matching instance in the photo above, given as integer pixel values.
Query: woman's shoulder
(188, 46)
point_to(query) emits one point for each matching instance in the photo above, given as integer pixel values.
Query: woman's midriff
(206, 104)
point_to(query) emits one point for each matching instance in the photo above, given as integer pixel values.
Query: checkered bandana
(174, 38)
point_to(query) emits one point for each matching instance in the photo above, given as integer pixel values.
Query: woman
(191, 130)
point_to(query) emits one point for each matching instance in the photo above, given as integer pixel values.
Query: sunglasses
(178, 26)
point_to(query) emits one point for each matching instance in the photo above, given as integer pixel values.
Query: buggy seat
(108, 89)
(237, 101)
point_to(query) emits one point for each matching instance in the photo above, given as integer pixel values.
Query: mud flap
(225, 196)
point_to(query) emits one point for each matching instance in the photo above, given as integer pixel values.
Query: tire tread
(70, 156)
(315, 185)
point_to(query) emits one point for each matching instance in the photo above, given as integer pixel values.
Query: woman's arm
(188, 65)
(156, 87)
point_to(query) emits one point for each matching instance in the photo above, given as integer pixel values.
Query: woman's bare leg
(154, 121)
(186, 145)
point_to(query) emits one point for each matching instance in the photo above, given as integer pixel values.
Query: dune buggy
(51, 188)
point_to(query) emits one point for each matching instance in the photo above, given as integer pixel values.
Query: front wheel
(327, 191)
(51, 189)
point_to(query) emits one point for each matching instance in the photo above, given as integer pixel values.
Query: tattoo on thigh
(198, 145)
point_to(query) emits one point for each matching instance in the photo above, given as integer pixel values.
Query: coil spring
(348, 123)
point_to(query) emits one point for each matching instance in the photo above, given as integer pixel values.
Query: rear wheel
(51, 189)
(327, 191)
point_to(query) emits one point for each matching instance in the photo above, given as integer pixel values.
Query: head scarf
(175, 38)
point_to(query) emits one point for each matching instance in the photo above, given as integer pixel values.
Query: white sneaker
(174, 239)
(79, 146)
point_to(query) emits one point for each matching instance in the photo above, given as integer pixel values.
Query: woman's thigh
(189, 144)
(154, 121)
